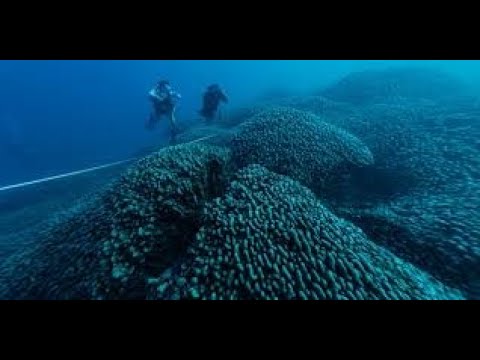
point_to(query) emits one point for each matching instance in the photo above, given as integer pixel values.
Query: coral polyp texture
(133, 230)
(300, 145)
(155, 208)
(439, 233)
(269, 237)
(63, 260)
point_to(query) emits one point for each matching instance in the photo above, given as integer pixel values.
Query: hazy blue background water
(58, 116)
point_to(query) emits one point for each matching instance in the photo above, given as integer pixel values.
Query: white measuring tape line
(79, 172)
(74, 173)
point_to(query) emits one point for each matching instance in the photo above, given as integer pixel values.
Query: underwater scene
(239, 180)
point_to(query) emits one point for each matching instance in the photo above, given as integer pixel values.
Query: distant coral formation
(393, 84)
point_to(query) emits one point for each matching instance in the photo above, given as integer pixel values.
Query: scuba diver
(164, 100)
(211, 101)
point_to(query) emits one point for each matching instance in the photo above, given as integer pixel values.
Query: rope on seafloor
(84, 171)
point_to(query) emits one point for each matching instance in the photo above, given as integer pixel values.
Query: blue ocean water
(60, 116)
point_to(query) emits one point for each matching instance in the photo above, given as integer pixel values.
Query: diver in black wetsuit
(211, 102)
(164, 100)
